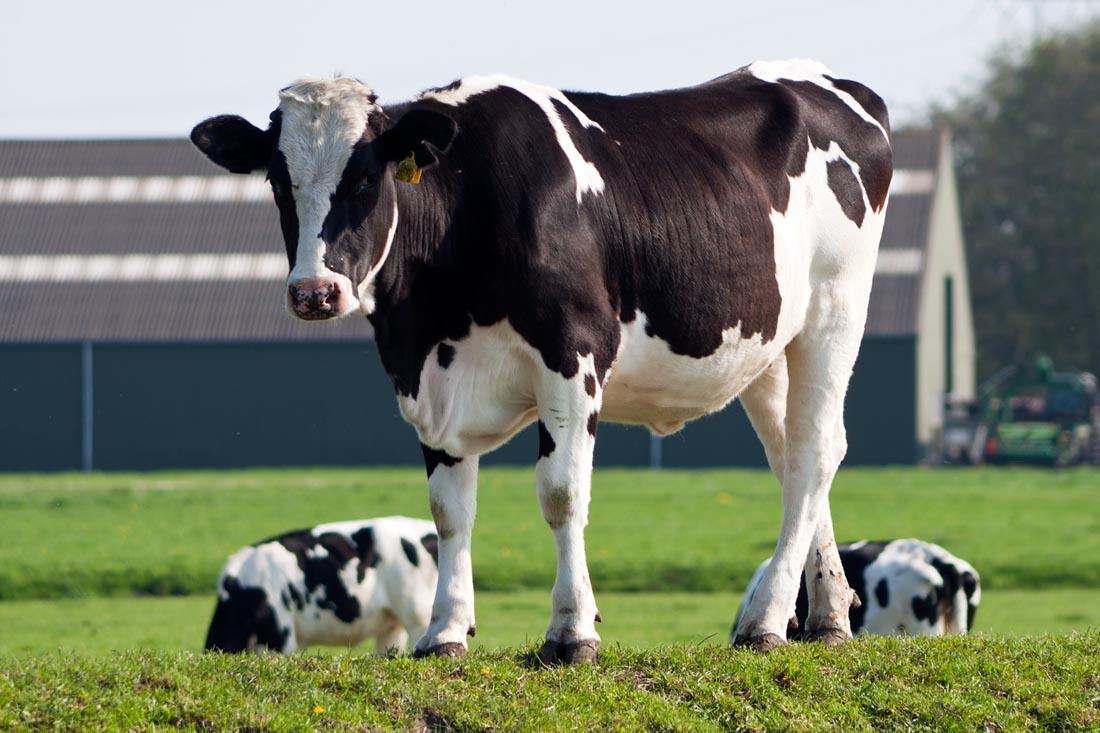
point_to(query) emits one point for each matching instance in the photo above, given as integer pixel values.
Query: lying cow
(904, 587)
(336, 584)
(531, 256)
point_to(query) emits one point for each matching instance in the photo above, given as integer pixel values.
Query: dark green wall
(881, 408)
(39, 408)
(231, 405)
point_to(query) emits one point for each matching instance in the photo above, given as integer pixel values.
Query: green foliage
(72, 535)
(1028, 165)
(959, 683)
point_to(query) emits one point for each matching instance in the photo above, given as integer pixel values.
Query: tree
(1028, 166)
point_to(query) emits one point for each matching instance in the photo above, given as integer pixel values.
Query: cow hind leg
(568, 414)
(819, 364)
(452, 489)
(765, 403)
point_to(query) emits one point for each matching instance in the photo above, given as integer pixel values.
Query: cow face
(327, 153)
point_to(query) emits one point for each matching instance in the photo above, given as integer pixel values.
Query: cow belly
(650, 385)
(317, 626)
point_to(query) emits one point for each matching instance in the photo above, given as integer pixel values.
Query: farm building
(141, 292)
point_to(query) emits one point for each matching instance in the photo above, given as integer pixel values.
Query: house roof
(895, 295)
(143, 240)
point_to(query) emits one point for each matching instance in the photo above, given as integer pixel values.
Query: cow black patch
(445, 354)
(433, 457)
(828, 121)
(882, 593)
(843, 183)
(410, 551)
(590, 384)
(970, 585)
(295, 596)
(855, 562)
(928, 607)
(952, 583)
(244, 614)
(593, 423)
(431, 544)
(323, 571)
(546, 441)
(365, 551)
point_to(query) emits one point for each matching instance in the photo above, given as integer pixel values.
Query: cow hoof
(447, 649)
(583, 651)
(760, 644)
(829, 637)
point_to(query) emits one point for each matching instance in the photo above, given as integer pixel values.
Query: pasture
(95, 565)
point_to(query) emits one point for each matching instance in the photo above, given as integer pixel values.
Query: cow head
(328, 153)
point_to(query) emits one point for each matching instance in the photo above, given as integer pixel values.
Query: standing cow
(569, 257)
(904, 587)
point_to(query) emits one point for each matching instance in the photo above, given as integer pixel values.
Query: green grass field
(960, 683)
(106, 588)
(168, 534)
(97, 626)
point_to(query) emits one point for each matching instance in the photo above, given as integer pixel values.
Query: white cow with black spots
(527, 254)
(904, 587)
(335, 584)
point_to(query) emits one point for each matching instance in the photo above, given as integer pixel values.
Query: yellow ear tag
(407, 170)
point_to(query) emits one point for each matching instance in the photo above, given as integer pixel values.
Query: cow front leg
(452, 490)
(568, 414)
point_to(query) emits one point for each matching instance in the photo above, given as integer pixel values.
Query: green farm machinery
(1027, 414)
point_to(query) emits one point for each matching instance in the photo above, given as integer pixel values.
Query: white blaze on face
(322, 120)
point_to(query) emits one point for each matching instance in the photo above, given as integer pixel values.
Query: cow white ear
(410, 134)
(234, 143)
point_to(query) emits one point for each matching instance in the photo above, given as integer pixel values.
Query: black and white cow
(570, 257)
(335, 584)
(904, 587)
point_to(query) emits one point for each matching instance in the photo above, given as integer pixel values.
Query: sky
(119, 68)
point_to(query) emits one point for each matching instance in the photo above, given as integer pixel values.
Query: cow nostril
(317, 297)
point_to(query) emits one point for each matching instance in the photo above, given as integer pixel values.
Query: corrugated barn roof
(144, 240)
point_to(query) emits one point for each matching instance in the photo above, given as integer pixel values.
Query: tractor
(1026, 414)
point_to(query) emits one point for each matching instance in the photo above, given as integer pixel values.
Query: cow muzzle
(318, 299)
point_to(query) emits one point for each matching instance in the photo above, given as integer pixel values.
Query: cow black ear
(234, 143)
(411, 132)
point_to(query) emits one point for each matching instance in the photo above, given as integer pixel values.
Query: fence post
(654, 452)
(87, 424)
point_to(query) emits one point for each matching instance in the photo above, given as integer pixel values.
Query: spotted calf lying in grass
(904, 587)
(336, 584)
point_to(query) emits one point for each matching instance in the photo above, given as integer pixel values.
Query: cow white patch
(322, 119)
(815, 73)
(366, 288)
(484, 396)
(588, 177)
(652, 386)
